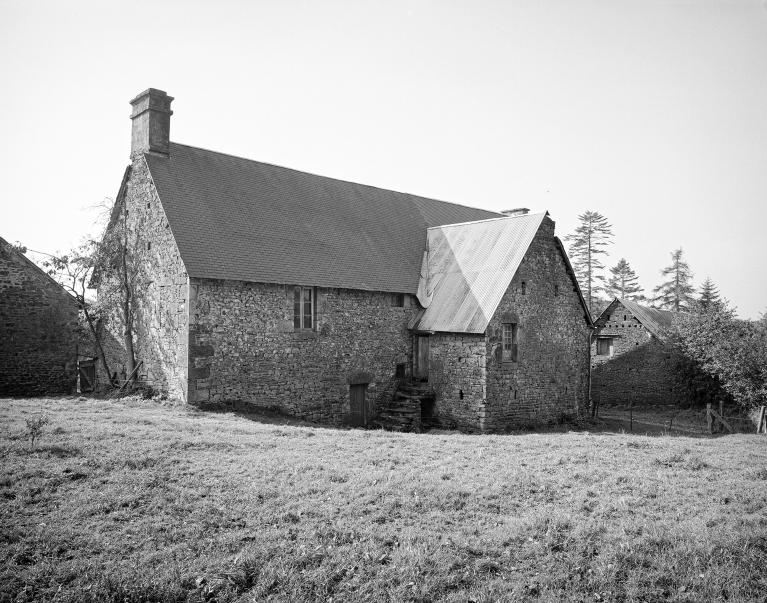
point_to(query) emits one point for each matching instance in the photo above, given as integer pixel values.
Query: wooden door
(87, 375)
(422, 358)
(358, 407)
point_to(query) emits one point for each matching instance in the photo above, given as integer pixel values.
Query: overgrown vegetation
(732, 353)
(130, 501)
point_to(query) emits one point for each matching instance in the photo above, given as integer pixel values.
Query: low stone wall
(643, 375)
(38, 330)
(243, 348)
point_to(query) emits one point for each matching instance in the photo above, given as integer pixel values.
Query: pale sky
(653, 113)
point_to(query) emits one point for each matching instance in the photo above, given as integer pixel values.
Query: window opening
(509, 343)
(605, 346)
(398, 300)
(524, 288)
(303, 308)
(556, 290)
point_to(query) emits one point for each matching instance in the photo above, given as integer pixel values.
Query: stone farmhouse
(332, 301)
(631, 362)
(38, 329)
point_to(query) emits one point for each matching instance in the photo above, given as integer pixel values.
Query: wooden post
(762, 420)
(709, 418)
(631, 415)
(133, 372)
(721, 414)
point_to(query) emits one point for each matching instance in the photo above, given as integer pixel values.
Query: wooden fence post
(721, 415)
(762, 420)
(709, 418)
(631, 417)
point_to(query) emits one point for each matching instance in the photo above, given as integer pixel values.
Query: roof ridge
(369, 186)
(487, 220)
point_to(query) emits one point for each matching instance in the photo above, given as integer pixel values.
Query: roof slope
(33, 270)
(654, 320)
(469, 268)
(239, 219)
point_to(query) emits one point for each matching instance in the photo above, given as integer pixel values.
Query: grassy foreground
(133, 501)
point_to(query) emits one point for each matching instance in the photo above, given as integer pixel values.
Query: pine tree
(587, 244)
(676, 293)
(709, 296)
(624, 282)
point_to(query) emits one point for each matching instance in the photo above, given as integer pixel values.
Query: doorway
(358, 405)
(421, 358)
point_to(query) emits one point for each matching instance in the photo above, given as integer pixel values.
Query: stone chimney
(517, 211)
(151, 123)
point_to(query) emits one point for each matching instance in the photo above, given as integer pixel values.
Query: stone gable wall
(160, 329)
(641, 369)
(243, 348)
(550, 378)
(38, 330)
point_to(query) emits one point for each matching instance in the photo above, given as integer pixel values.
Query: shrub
(35, 427)
(730, 351)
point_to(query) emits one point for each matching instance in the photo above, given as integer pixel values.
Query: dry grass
(132, 501)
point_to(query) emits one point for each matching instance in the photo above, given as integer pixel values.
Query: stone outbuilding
(322, 298)
(631, 360)
(38, 329)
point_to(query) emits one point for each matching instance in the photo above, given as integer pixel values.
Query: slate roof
(469, 268)
(239, 219)
(654, 320)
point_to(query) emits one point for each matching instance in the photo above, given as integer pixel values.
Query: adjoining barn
(38, 329)
(321, 297)
(630, 356)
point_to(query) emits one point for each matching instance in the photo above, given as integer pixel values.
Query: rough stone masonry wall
(38, 320)
(641, 369)
(550, 378)
(457, 376)
(161, 286)
(243, 348)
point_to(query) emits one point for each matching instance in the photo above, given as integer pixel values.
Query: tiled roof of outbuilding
(654, 320)
(239, 219)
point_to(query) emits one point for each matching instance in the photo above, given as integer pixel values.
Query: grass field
(134, 501)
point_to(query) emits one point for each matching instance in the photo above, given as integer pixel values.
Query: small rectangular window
(303, 308)
(524, 288)
(398, 300)
(509, 345)
(556, 290)
(605, 346)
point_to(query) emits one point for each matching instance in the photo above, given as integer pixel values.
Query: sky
(653, 113)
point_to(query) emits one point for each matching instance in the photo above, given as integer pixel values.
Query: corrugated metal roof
(470, 267)
(239, 219)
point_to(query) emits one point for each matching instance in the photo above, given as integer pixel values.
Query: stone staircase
(410, 408)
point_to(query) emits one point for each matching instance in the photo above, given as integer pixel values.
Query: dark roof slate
(239, 219)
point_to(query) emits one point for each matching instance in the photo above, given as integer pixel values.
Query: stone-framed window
(400, 300)
(605, 346)
(303, 308)
(509, 343)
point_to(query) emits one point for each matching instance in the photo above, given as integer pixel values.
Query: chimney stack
(151, 123)
(517, 211)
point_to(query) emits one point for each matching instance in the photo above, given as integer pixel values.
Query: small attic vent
(517, 211)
